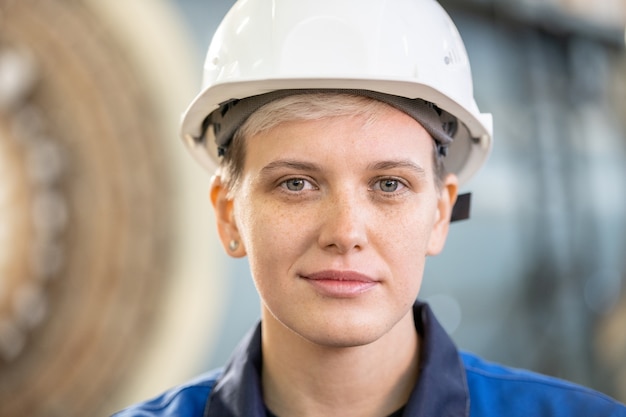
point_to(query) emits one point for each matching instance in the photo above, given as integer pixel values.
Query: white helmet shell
(407, 48)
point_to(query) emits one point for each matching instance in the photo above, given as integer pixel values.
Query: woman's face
(337, 217)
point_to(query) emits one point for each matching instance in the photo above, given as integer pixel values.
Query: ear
(226, 225)
(447, 198)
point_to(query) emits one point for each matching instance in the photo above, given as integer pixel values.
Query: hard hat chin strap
(461, 209)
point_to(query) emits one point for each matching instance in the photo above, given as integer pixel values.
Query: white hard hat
(409, 49)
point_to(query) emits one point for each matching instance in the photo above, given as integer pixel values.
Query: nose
(344, 224)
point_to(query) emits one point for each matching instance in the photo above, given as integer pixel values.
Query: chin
(344, 335)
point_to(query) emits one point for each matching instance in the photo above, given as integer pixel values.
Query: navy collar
(441, 389)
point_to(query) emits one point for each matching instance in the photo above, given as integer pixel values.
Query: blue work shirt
(450, 384)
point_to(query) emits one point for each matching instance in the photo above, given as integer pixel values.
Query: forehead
(368, 136)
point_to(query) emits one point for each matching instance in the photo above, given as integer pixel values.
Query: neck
(305, 379)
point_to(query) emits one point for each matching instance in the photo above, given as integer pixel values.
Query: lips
(340, 284)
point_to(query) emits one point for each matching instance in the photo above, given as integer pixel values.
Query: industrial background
(113, 286)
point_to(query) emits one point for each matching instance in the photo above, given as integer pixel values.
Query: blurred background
(113, 286)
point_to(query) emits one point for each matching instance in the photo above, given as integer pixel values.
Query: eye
(296, 184)
(388, 185)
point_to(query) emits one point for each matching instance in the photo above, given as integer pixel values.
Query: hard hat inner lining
(231, 114)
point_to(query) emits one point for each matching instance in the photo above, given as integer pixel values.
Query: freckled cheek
(275, 235)
(403, 231)
(277, 241)
(404, 249)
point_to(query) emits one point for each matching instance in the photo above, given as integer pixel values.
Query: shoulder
(496, 390)
(185, 400)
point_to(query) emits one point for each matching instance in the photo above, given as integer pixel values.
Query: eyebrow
(291, 164)
(397, 163)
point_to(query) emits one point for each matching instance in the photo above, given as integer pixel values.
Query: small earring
(233, 245)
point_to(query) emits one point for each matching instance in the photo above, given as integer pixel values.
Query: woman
(345, 189)
(341, 138)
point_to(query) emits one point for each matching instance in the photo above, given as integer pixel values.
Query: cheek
(409, 231)
(271, 236)
(405, 247)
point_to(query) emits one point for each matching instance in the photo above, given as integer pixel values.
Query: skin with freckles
(337, 217)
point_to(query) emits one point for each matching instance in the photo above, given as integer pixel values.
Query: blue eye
(389, 185)
(295, 184)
